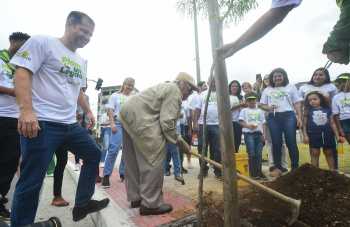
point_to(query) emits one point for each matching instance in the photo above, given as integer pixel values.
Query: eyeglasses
(189, 88)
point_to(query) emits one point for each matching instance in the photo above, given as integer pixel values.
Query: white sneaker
(49, 175)
(77, 167)
(102, 165)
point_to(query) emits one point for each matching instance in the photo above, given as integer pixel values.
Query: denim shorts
(345, 124)
(321, 139)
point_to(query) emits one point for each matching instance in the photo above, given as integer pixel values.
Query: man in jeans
(48, 83)
(212, 128)
(10, 149)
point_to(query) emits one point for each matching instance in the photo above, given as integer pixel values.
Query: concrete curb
(110, 216)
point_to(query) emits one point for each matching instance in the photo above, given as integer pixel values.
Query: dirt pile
(325, 198)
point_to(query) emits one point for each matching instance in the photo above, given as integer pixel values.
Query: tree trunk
(228, 159)
(196, 41)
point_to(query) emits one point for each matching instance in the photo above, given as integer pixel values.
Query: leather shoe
(165, 208)
(135, 204)
(178, 178)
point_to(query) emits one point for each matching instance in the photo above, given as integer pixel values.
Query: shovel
(293, 202)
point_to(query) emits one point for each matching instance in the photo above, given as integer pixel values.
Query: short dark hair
(326, 73)
(76, 17)
(200, 84)
(239, 91)
(285, 77)
(19, 36)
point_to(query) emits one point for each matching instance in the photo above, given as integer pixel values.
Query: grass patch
(304, 157)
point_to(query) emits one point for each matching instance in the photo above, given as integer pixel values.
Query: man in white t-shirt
(10, 149)
(48, 83)
(194, 99)
(212, 128)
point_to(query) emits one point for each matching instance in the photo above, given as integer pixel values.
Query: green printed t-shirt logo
(212, 100)
(235, 101)
(308, 91)
(345, 103)
(24, 55)
(74, 70)
(7, 72)
(254, 118)
(122, 100)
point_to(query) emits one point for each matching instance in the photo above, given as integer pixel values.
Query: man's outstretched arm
(258, 30)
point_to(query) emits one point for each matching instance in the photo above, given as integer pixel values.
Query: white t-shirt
(251, 116)
(116, 101)
(341, 106)
(281, 3)
(326, 89)
(58, 75)
(194, 100)
(212, 113)
(283, 97)
(186, 112)
(105, 119)
(8, 105)
(235, 113)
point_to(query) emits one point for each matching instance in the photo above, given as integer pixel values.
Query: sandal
(60, 203)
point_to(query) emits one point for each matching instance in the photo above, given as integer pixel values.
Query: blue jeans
(172, 152)
(285, 123)
(254, 150)
(183, 134)
(37, 153)
(114, 146)
(106, 138)
(212, 137)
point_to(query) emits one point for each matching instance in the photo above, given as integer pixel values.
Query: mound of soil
(324, 195)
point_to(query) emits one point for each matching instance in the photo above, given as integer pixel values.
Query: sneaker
(339, 172)
(167, 173)
(77, 167)
(205, 174)
(121, 178)
(271, 168)
(284, 170)
(49, 175)
(184, 171)
(253, 175)
(102, 165)
(262, 176)
(276, 173)
(218, 176)
(105, 182)
(93, 206)
(4, 213)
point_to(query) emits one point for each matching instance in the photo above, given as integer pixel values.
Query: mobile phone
(258, 76)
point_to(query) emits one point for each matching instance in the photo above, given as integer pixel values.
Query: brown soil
(324, 195)
(181, 213)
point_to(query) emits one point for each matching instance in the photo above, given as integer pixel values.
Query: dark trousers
(237, 134)
(62, 158)
(10, 152)
(212, 138)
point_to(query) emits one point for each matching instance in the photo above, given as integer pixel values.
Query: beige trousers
(142, 180)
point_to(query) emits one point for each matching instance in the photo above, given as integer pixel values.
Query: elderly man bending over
(149, 121)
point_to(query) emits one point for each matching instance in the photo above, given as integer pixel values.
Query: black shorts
(321, 139)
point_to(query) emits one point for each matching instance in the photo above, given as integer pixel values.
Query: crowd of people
(155, 125)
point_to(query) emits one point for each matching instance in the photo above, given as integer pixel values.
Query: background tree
(234, 16)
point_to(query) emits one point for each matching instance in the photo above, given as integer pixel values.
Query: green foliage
(236, 14)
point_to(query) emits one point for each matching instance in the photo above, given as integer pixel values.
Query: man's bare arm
(27, 121)
(7, 91)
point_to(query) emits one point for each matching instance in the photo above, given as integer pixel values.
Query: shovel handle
(293, 202)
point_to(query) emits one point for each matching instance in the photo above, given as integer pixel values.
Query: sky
(151, 42)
